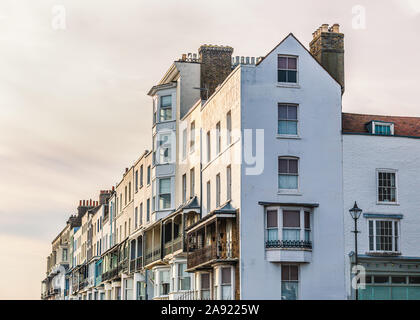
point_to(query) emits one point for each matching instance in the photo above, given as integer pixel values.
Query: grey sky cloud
(73, 105)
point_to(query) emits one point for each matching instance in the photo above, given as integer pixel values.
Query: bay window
(288, 227)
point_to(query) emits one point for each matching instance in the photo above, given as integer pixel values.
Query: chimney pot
(336, 28)
(184, 57)
(324, 28)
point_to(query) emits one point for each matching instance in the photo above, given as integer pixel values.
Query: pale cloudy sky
(73, 105)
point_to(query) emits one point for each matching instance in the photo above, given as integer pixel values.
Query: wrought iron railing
(132, 265)
(139, 263)
(152, 255)
(299, 244)
(217, 250)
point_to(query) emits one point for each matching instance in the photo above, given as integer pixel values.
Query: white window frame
(228, 182)
(385, 124)
(289, 136)
(297, 281)
(170, 193)
(218, 190)
(393, 220)
(162, 147)
(288, 84)
(160, 107)
(218, 138)
(302, 228)
(192, 182)
(228, 128)
(192, 137)
(379, 170)
(184, 143)
(289, 191)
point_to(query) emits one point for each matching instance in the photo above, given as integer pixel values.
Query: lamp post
(355, 214)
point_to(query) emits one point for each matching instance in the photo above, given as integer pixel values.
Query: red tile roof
(403, 126)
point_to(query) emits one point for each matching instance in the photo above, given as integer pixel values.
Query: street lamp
(355, 213)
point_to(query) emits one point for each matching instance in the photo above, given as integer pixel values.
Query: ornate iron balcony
(288, 244)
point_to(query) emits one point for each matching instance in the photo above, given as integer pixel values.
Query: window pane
(287, 182)
(292, 63)
(291, 234)
(282, 76)
(293, 166)
(205, 281)
(226, 292)
(226, 276)
(283, 166)
(165, 201)
(165, 185)
(291, 219)
(285, 273)
(379, 279)
(398, 280)
(166, 101)
(282, 112)
(272, 219)
(307, 220)
(292, 112)
(282, 63)
(272, 235)
(289, 290)
(292, 76)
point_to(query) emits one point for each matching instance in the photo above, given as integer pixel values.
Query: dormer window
(381, 128)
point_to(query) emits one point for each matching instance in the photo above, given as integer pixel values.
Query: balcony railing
(105, 276)
(132, 265)
(139, 263)
(123, 266)
(215, 251)
(288, 244)
(173, 246)
(152, 255)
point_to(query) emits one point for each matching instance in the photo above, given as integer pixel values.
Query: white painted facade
(318, 147)
(364, 156)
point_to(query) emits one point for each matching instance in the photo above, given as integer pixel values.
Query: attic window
(381, 128)
(287, 69)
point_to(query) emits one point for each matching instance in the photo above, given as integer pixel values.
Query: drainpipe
(201, 173)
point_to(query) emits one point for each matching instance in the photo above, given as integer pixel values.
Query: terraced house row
(246, 190)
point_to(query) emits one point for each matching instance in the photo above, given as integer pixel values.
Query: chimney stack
(216, 65)
(327, 47)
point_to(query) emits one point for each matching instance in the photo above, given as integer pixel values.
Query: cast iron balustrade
(139, 263)
(219, 250)
(132, 265)
(105, 276)
(173, 246)
(288, 244)
(152, 255)
(123, 266)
